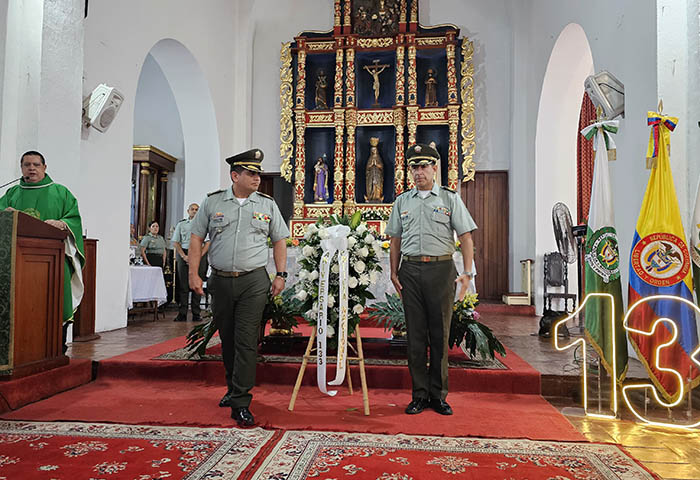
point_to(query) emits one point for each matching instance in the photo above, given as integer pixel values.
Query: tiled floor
(672, 454)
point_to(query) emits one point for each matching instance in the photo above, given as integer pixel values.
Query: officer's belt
(426, 258)
(221, 273)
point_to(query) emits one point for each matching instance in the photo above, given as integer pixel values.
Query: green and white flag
(694, 245)
(603, 257)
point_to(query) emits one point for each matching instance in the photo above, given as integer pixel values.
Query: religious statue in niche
(320, 97)
(374, 174)
(372, 17)
(431, 89)
(321, 180)
(375, 69)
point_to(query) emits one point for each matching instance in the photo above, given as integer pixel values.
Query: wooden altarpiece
(358, 106)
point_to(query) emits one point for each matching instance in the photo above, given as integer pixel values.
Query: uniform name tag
(261, 216)
(404, 213)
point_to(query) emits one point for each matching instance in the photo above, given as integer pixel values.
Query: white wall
(156, 117)
(274, 23)
(41, 95)
(115, 55)
(623, 41)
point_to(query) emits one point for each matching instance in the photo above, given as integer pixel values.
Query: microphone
(11, 182)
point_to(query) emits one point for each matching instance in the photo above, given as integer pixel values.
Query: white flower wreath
(364, 269)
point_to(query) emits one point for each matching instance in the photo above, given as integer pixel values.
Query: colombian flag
(660, 265)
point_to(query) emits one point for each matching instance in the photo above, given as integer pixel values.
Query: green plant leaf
(355, 219)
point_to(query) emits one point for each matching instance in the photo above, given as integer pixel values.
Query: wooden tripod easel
(309, 357)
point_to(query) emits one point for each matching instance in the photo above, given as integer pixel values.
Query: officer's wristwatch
(282, 274)
(469, 274)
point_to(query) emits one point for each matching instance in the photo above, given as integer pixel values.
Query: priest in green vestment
(38, 196)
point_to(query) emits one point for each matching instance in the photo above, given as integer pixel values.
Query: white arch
(569, 64)
(197, 114)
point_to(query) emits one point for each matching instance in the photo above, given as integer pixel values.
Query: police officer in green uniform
(421, 228)
(181, 243)
(239, 220)
(153, 246)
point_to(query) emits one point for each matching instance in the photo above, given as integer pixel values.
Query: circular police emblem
(603, 255)
(661, 259)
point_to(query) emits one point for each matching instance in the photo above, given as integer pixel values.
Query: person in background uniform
(181, 242)
(421, 228)
(153, 246)
(238, 221)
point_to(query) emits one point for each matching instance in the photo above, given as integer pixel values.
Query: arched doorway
(177, 115)
(569, 64)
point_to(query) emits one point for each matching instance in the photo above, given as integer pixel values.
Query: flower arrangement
(465, 328)
(364, 270)
(282, 310)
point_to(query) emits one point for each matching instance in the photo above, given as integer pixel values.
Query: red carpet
(17, 393)
(63, 450)
(302, 455)
(195, 403)
(518, 377)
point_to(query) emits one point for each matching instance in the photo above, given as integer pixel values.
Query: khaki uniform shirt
(181, 234)
(153, 243)
(238, 233)
(426, 225)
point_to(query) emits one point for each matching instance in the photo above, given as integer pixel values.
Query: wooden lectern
(31, 295)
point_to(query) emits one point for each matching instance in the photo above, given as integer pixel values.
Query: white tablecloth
(380, 290)
(146, 284)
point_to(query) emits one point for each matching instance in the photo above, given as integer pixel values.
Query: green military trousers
(428, 296)
(237, 305)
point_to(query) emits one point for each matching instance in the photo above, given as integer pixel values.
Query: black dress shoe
(243, 417)
(196, 318)
(225, 400)
(417, 405)
(180, 318)
(440, 406)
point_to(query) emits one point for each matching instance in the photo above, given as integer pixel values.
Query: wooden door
(487, 200)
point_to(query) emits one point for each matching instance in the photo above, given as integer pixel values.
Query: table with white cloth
(380, 289)
(146, 285)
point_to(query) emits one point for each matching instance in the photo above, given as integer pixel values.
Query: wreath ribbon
(337, 241)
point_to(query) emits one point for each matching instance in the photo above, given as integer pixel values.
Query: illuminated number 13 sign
(673, 328)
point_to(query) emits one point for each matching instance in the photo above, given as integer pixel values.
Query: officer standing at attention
(239, 220)
(181, 242)
(421, 228)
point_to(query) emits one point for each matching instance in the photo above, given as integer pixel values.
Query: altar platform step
(17, 393)
(510, 374)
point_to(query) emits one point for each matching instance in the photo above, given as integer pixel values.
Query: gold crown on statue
(374, 141)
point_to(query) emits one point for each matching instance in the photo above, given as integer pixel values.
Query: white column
(41, 90)
(672, 42)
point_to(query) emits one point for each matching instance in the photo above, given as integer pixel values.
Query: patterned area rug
(465, 362)
(328, 455)
(69, 451)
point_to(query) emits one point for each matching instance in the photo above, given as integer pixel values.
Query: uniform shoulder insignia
(265, 195)
(214, 193)
(182, 220)
(448, 189)
(403, 193)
